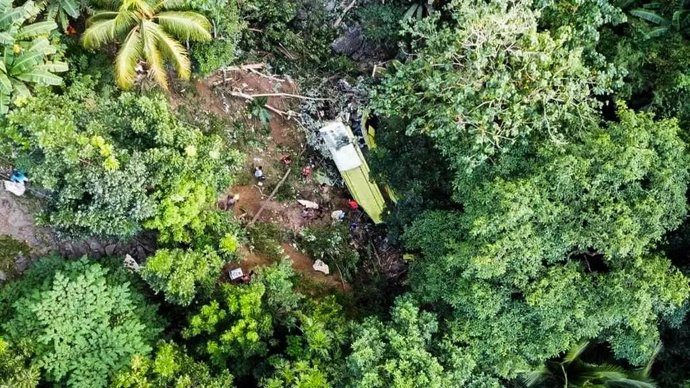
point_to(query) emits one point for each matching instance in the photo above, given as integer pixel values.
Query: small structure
(236, 274)
(353, 168)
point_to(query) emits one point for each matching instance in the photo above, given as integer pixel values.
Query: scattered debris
(308, 204)
(131, 264)
(320, 266)
(15, 188)
(236, 274)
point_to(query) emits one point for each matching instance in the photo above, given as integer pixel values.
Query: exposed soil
(17, 221)
(283, 138)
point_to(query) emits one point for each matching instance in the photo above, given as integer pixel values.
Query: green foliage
(114, 165)
(16, 370)
(296, 34)
(226, 27)
(315, 352)
(573, 371)
(171, 367)
(62, 10)
(415, 171)
(266, 238)
(296, 374)
(9, 250)
(381, 23)
(28, 56)
(181, 274)
(80, 325)
(332, 245)
(238, 325)
(654, 58)
(400, 352)
(146, 31)
(257, 109)
(489, 81)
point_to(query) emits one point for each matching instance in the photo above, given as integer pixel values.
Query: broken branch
(348, 8)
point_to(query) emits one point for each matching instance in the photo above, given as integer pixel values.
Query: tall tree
(487, 81)
(145, 32)
(561, 253)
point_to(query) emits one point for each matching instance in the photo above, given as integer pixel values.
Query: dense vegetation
(538, 150)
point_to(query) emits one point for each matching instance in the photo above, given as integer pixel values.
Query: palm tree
(572, 372)
(146, 32)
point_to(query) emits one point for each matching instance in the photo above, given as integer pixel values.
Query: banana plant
(419, 9)
(62, 10)
(678, 21)
(25, 52)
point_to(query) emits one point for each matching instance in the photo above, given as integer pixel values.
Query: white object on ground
(338, 215)
(130, 263)
(321, 267)
(15, 188)
(308, 204)
(236, 273)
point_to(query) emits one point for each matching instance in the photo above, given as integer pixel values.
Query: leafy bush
(9, 250)
(332, 245)
(171, 367)
(117, 164)
(80, 324)
(180, 274)
(266, 238)
(381, 23)
(226, 28)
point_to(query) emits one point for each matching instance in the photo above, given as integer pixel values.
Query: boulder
(350, 43)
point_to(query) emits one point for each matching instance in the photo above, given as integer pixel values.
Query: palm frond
(185, 25)
(174, 51)
(127, 58)
(99, 33)
(101, 15)
(575, 352)
(170, 5)
(535, 376)
(153, 56)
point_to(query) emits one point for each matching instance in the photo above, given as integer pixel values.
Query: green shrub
(79, 323)
(266, 238)
(332, 245)
(9, 250)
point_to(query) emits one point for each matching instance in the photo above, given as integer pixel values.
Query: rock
(141, 253)
(3, 276)
(350, 43)
(110, 249)
(321, 267)
(95, 247)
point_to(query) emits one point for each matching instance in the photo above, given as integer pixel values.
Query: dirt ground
(17, 221)
(284, 139)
